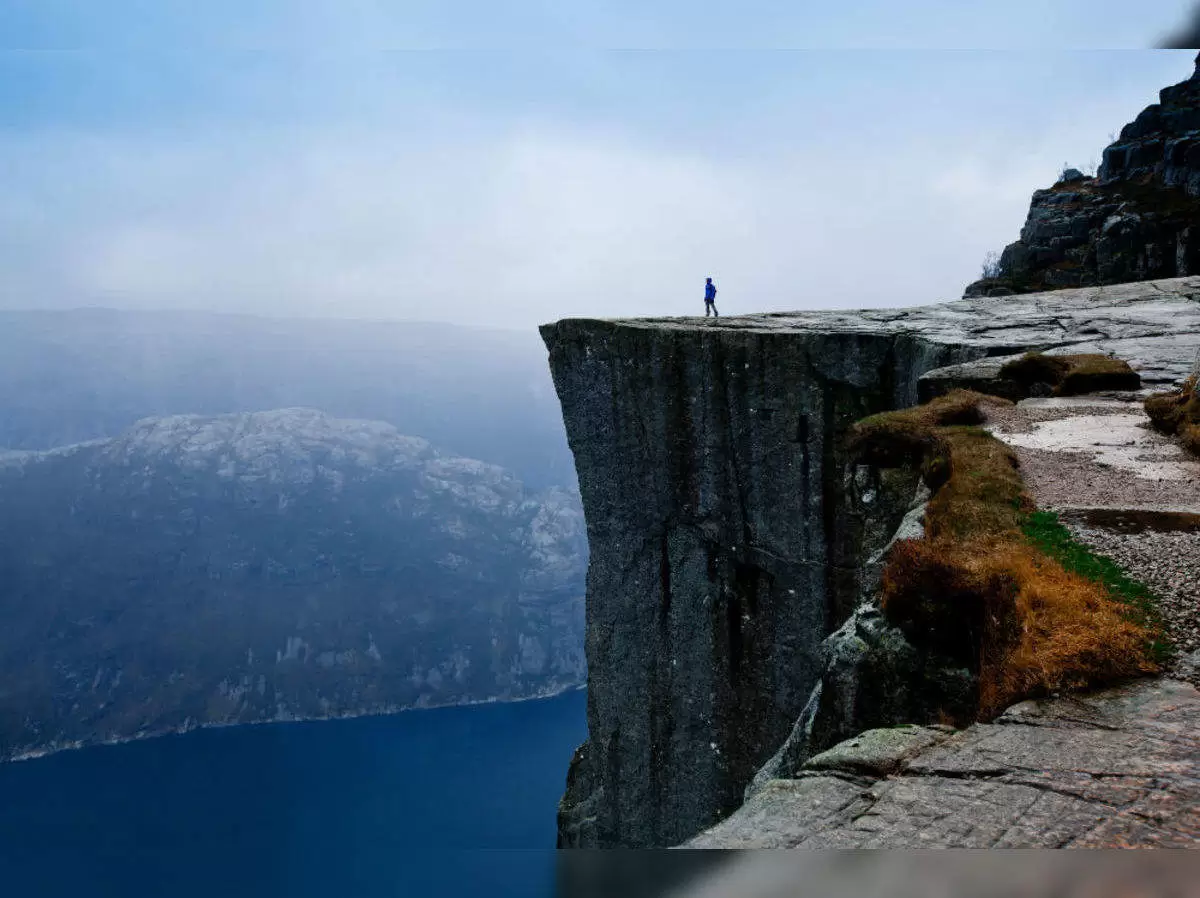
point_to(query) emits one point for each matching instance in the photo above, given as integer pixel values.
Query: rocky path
(1114, 769)
(1117, 768)
(1122, 489)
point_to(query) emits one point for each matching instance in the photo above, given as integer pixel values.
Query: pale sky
(501, 164)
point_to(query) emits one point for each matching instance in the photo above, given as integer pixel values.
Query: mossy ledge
(1070, 375)
(986, 586)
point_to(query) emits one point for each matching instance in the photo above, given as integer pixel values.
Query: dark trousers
(711, 304)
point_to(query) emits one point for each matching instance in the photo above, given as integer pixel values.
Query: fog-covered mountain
(78, 375)
(272, 565)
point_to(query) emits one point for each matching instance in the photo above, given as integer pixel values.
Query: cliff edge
(729, 535)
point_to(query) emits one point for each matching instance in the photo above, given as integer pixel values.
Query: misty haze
(382, 513)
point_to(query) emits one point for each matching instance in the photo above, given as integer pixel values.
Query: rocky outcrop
(729, 537)
(1116, 769)
(872, 676)
(275, 565)
(1138, 219)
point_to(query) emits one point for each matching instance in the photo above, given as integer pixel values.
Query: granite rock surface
(729, 535)
(1109, 770)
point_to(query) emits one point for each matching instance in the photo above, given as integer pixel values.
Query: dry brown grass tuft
(912, 436)
(1190, 434)
(1030, 626)
(1071, 375)
(984, 493)
(1068, 632)
(975, 589)
(1178, 412)
(956, 407)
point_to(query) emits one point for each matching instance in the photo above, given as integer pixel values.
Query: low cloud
(525, 224)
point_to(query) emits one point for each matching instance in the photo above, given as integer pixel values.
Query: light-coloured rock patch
(1124, 490)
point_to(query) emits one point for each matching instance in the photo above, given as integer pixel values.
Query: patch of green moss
(1046, 532)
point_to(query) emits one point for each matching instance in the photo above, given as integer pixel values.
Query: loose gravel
(1167, 562)
(1097, 453)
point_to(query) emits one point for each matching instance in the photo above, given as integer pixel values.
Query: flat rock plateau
(730, 536)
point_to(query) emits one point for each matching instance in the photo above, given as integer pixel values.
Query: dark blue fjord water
(447, 802)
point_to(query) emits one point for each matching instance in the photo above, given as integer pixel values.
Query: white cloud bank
(533, 223)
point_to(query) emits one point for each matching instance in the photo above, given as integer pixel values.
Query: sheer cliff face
(726, 533)
(710, 467)
(1138, 219)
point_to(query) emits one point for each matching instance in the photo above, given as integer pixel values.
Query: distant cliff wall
(727, 534)
(1137, 219)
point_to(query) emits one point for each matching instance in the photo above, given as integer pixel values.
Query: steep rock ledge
(728, 537)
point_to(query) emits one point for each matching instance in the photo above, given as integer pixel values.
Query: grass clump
(955, 407)
(1071, 375)
(982, 587)
(1178, 413)
(914, 437)
(1044, 530)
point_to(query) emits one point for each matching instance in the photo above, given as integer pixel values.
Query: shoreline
(186, 728)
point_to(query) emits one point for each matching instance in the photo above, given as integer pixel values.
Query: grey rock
(729, 535)
(912, 526)
(1112, 769)
(982, 375)
(879, 752)
(796, 749)
(873, 677)
(787, 812)
(1187, 667)
(1132, 222)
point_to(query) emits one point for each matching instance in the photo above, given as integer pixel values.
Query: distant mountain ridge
(71, 376)
(273, 565)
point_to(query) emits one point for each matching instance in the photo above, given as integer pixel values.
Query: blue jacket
(710, 291)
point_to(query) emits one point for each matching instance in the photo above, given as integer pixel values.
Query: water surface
(453, 801)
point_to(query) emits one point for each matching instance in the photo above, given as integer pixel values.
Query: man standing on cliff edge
(710, 298)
